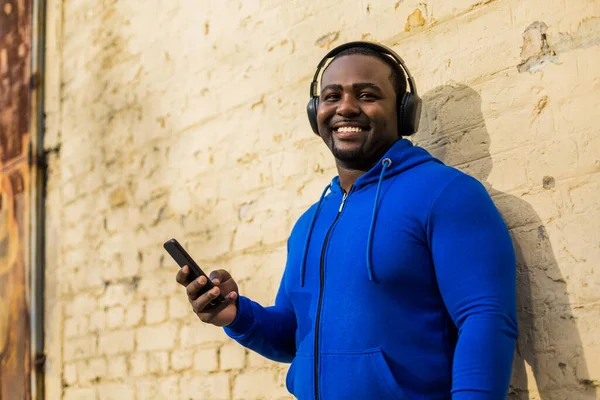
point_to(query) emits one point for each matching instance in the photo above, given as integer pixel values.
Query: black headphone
(408, 106)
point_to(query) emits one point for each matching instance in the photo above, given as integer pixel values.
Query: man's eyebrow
(332, 86)
(363, 85)
(356, 86)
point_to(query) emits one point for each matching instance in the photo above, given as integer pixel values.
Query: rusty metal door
(15, 109)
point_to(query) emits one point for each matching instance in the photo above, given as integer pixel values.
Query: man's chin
(348, 155)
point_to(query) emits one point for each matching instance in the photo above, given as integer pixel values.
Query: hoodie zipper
(321, 287)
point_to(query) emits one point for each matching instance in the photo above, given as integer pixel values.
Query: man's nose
(348, 106)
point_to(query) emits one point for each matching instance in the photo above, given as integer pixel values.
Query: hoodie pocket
(300, 377)
(364, 375)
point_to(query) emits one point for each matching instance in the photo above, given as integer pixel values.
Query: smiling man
(400, 280)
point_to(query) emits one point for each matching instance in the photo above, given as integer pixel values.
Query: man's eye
(367, 96)
(332, 97)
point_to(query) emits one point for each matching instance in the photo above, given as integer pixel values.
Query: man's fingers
(194, 289)
(232, 297)
(182, 276)
(224, 281)
(200, 304)
(207, 315)
(221, 275)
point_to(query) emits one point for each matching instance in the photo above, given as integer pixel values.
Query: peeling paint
(586, 35)
(536, 51)
(414, 20)
(541, 48)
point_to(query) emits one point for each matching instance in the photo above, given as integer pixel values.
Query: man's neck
(350, 172)
(348, 177)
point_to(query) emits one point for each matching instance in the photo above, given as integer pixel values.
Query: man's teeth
(349, 129)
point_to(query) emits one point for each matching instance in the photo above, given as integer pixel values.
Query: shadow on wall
(454, 130)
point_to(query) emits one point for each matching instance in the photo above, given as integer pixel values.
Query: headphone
(408, 105)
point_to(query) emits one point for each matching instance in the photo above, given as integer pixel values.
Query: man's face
(357, 116)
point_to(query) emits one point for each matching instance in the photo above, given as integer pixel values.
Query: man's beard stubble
(358, 158)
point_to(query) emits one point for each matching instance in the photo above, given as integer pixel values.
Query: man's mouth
(349, 131)
(343, 129)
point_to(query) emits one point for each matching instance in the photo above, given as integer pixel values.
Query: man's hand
(224, 313)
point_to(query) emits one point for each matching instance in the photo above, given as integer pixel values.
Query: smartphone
(182, 258)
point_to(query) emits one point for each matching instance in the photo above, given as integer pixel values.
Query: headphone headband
(373, 46)
(408, 104)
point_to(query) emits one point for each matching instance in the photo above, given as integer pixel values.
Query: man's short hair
(397, 77)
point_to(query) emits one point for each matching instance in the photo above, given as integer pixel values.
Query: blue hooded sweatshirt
(404, 288)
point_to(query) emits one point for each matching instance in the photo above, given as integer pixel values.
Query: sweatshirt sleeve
(475, 266)
(269, 331)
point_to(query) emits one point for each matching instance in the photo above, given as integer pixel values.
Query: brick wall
(187, 119)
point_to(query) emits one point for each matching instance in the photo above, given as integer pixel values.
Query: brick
(593, 365)
(158, 284)
(97, 320)
(232, 356)
(138, 364)
(156, 311)
(181, 360)
(582, 195)
(208, 387)
(134, 313)
(79, 279)
(180, 307)
(545, 162)
(255, 360)
(76, 326)
(70, 373)
(146, 388)
(80, 394)
(79, 210)
(577, 255)
(158, 388)
(115, 317)
(200, 333)
(245, 387)
(116, 342)
(117, 295)
(81, 304)
(161, 337)
(206, 360)
(113, 223)
(115, 391)
(262, 287)
(158, 362)
(92, 370)
(117, 367)
(79, 348)
(155, 257)
(168, 387)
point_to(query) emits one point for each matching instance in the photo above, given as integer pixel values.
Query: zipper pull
(343, 201)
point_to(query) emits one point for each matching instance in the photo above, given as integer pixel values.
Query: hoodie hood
(402, 156)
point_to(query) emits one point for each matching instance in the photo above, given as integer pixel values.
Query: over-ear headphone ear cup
(401, 110)
(409, 114)
(311, 110)
(412, 113)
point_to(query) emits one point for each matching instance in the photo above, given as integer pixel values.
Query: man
(400, 281)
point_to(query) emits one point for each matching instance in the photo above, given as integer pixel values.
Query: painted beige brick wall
(187, 119)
